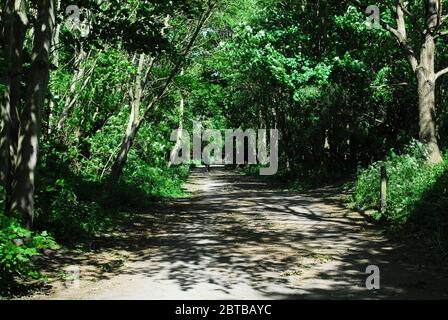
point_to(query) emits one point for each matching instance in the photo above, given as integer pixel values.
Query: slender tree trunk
(181, 125)
(133, 123)
(56, 38)
(71, 97)
(38, 78)
(117, 168)
(55, 62)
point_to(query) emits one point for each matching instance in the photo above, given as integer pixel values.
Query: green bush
(61, 210)
(410, 179)
(75, 206)
(17, 247)
(156, 181)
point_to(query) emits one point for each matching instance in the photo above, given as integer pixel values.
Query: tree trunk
(38, 79)
(133, 124)
(56, 38)
(426, 80)
(55, 62)
(71, 97)
(5, 150)
(117, 168)
(14, 35)
(181, 126)
(427, 119)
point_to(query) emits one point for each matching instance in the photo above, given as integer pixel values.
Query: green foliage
(410, 179)
(66, 215)
(155, 181)
(17, 247)
(318, 74)
(76, 207)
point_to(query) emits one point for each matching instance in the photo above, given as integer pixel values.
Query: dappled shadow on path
(235, 237)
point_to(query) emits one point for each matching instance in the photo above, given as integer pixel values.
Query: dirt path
(236, 238)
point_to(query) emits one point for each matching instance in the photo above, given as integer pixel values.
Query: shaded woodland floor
(238, 237)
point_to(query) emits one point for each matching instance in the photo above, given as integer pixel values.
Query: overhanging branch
(441, 73)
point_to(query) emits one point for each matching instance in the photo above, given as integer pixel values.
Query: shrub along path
(238, 237)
